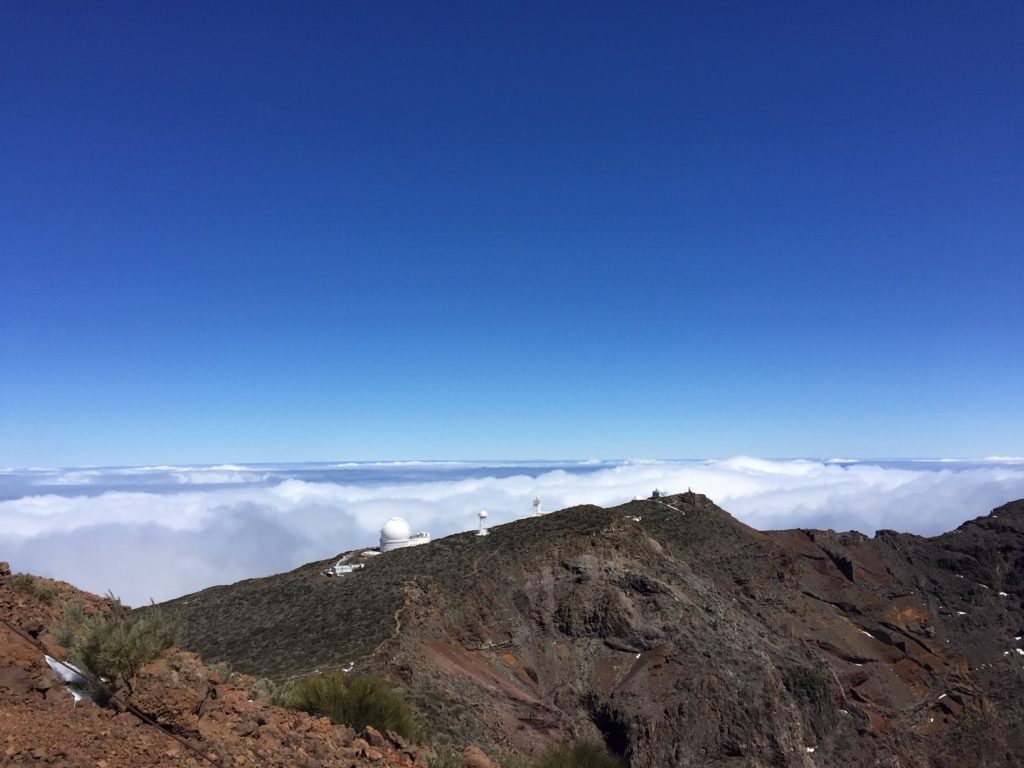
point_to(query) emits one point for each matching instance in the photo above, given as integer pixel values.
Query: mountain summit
(671, 631)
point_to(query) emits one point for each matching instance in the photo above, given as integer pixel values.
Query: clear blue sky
(302, 231)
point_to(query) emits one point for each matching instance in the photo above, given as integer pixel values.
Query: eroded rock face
(679, 636)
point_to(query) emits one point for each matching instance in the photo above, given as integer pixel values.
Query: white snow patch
(78, 695)
(69, 673)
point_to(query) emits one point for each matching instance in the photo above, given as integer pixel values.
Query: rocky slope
(41, 724)
(673, 632)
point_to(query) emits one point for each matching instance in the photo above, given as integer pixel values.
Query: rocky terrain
(217, 723)
(671, 631)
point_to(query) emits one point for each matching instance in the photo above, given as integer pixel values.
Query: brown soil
(221, 723)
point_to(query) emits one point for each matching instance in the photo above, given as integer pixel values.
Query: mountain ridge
(672, 631)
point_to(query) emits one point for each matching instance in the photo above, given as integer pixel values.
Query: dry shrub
(357, 701)
(115, 645)
(582, 754)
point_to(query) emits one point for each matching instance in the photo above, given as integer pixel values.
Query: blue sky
(255, 232)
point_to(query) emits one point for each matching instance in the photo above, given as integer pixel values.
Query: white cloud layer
(168, 536)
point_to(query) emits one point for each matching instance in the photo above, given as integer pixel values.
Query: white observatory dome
(394, 534)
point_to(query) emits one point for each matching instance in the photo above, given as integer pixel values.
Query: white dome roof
(395, 530)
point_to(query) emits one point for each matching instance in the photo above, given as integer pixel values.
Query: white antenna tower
(536, 507)
(482, 531)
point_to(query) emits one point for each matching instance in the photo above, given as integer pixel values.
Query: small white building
(340, 568)
(396, 533)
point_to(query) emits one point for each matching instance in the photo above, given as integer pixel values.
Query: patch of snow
(868, 634)
(810, 749)
(941, 697)
(1003, 594)
(961, 613)
(69, 673)
(982, 585)
(1020, 651)
(78, 694)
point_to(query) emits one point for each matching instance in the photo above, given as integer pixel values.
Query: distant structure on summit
(396, 534)
(537, 512)
(483, 517)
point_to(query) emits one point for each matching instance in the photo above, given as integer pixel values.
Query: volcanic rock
(673, 633)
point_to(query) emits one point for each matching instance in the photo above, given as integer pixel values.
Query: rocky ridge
(674, 633)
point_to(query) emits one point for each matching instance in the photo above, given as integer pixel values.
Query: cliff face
(675, 633)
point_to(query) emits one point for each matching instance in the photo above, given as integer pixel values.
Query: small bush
(512, 760)
(38, 587)
(582, 754)
(114, 646)
(357, 701)
(446, 757)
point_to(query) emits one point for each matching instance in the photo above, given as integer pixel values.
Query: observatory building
(396, 534)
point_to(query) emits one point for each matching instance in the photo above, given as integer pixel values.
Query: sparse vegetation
(40, 588)
(582, 754)
(446, 757)
(115, 645)
(357, 701)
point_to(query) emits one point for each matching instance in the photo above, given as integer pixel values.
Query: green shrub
(357, 701)
(114, 646)
(40, 588)
(515, 760)
(446, 757)
(582, 754)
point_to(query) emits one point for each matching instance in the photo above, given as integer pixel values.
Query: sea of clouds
(159, 532)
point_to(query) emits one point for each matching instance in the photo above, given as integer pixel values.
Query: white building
(396, 533)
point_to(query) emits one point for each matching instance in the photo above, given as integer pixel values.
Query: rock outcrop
(219, 721)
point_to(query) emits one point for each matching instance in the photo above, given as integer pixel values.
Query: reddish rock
(374, 737)
(474, 757)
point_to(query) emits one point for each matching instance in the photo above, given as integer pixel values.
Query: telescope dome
(394, 534)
